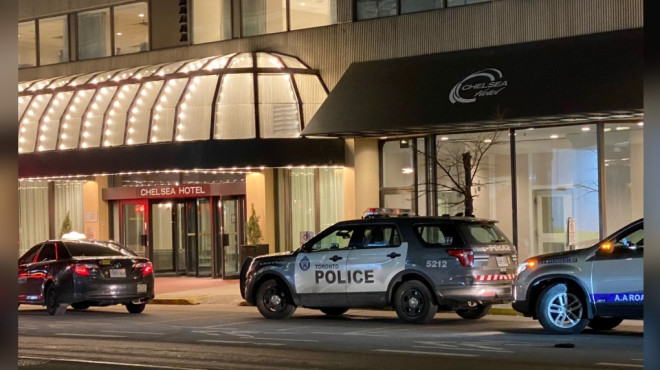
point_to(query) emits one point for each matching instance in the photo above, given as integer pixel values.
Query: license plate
(142, 288)
(117, 273)
(502, 261)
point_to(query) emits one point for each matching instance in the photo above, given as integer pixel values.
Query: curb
(174, 301)
(196, 301)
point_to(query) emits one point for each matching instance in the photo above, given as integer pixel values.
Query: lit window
(131, 28)
(53, 40)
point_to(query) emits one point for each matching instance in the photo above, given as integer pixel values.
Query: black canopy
(553, 79)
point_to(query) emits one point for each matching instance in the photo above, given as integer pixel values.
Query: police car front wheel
(274, 300)
(413, 303)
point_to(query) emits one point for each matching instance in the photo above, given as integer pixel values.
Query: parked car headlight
(526, 265)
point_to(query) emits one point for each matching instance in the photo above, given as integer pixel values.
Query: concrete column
(367, 179)
(95, 210)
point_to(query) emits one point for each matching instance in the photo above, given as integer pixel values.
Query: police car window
(485, 234)
(436, 235)
(382, 236)
(337, 239)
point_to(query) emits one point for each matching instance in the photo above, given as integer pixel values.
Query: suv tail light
(465, 256)
(82, 269)
(147, 267)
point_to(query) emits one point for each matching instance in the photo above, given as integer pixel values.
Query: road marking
(96, 362)
(228, 324)
(615, 364)
(238, 342)
(292, 340)
(90, 335)
(131, 332)
(464, 349)
(425, 353)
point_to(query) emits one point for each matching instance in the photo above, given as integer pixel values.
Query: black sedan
(84, 273)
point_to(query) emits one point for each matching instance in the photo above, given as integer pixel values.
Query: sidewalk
(185, 290)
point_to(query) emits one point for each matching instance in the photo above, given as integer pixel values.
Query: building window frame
(287, 15)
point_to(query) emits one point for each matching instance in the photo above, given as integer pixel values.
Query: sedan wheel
(561, 311)
(274, 301)
(413, 303)
(135, 307)
(52, 299)
(80, 306)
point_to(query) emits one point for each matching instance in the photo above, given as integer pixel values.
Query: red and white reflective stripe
(495, 277)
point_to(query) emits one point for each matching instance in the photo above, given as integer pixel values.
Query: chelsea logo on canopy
(304, 264)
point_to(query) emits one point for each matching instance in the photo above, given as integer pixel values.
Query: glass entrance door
(134, 232)
(231, 232)
(193, 236)
(162, 227)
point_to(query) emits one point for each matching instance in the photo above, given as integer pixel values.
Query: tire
(604, 323)
(135, 307)
(334, 311)
(80, 306)
(474, 313)
(274, 301)
(52, 301)
(561, 311)
(413, 303)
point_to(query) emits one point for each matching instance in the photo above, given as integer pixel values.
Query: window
(337, 239)
(624, 168)
(398, 173)
(27, 45)
(53, 40)
(263, 16)
(211, 20)
(47, 253)
(557, 175)
(94, 34)
(369, 9)
(414, 6)
(307, 14)
(131, 24)
(269, 16)
(381, 236)
(484, 234)
(29, 256)
(311, 200)
(437, 235)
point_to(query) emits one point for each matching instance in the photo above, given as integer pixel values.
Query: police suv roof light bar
(385, 212)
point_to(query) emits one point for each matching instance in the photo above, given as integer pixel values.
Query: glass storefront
(557, 178)
(310, 200)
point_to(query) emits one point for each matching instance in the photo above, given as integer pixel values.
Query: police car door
(617, 275)
(372, 264)
(320, 269)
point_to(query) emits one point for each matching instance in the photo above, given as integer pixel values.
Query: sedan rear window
(94, 250)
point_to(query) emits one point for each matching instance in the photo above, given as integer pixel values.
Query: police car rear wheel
(274, 301)
(474, 313)
(604, 323)
(334, 311)
(413, 303)
(561, 310)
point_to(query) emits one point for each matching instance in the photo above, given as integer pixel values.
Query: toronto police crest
(304, 264)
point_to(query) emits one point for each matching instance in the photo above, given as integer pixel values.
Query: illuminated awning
(239, 96)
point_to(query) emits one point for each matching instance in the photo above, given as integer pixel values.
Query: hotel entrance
(193, 236)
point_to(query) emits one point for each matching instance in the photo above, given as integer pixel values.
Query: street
(216, 336)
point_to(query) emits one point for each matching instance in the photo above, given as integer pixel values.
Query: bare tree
(460, 163)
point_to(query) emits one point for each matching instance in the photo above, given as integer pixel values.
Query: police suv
(416, 264)
(597, 286)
